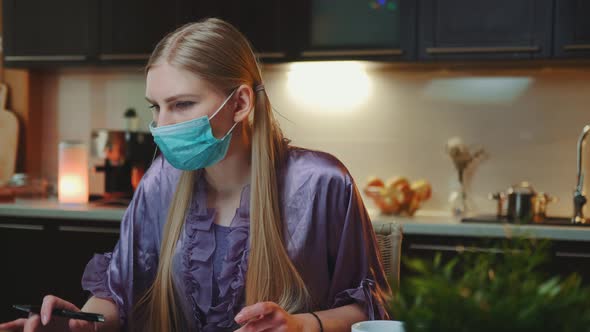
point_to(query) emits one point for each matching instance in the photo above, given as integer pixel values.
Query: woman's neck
(232, 173)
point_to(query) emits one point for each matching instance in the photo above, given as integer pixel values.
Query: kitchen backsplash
(381, 120)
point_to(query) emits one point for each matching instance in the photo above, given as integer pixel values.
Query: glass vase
(461, 204)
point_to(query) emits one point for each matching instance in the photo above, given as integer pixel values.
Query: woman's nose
(163, 118)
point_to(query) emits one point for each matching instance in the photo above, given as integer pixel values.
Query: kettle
(525, 205)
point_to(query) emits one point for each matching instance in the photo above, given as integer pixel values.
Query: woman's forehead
(164, 79)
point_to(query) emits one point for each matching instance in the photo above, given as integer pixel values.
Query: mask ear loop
(231, 129)
(223, 104)
(156, 148)
(154, 157)
(221, 107)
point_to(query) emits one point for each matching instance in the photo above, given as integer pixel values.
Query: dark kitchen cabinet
(90, 32)
(572, 28)
(48, 256)
(483, 29)
(566, 257)
(265, 23)
(129, 30)
(373, 29)
(74, 246)
(25, 262)
(49, 32)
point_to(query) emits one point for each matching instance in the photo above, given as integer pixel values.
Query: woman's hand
(269, 316)
(46, 322)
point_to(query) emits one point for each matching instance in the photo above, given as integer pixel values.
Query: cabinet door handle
(271, 55)
(506, 49)
(577, 47)
(39, 58)
(434, 247)
(457, 248)
(126, 56)
(23, 226)
(374, 52)
(145, 56)
(89, 229)
(572, 254)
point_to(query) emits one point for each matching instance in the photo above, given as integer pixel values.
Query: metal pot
(524, 204)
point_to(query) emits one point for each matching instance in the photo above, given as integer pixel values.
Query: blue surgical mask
(190, 145)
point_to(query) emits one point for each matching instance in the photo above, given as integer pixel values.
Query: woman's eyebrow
(180, 96)
(175, 97)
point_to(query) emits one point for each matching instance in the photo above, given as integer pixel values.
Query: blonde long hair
(217, 52)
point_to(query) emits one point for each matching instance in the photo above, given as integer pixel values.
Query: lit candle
(72, 173)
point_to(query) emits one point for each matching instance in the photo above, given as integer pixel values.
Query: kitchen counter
(52, 209)
(441, 224)
(423, 223)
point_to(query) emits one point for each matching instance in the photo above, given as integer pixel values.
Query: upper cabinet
(382, 29)
(129, 30)
(263, 22)
(484, 29)
(572, 28)
(75, 32)
(55, 32)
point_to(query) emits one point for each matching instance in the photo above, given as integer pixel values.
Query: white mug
(378, 326)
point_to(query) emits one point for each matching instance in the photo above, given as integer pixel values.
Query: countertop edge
(434, 224)
(64, 214)
(566, 233)
(50, 209)
(440, 225)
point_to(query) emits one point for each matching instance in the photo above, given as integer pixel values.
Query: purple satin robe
(328, 234)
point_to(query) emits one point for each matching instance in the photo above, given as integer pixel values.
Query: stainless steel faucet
(579, 197)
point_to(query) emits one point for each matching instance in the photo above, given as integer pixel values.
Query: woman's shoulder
(308, 164)
(153, 195)
(159, 176)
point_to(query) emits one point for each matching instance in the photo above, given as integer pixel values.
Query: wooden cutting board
(8, 138)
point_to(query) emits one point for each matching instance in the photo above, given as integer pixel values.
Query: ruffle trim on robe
(198, 263)
(94, 280)
(364, 295)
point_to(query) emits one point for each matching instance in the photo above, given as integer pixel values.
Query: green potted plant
(505, 290)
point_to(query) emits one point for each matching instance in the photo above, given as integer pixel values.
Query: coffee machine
(120, 158)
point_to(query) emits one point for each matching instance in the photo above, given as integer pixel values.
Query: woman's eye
(154, 107)
(184, 104)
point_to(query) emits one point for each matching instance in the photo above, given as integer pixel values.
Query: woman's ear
(245, 102)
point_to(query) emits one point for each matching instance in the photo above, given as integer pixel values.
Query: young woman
(233, 228)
